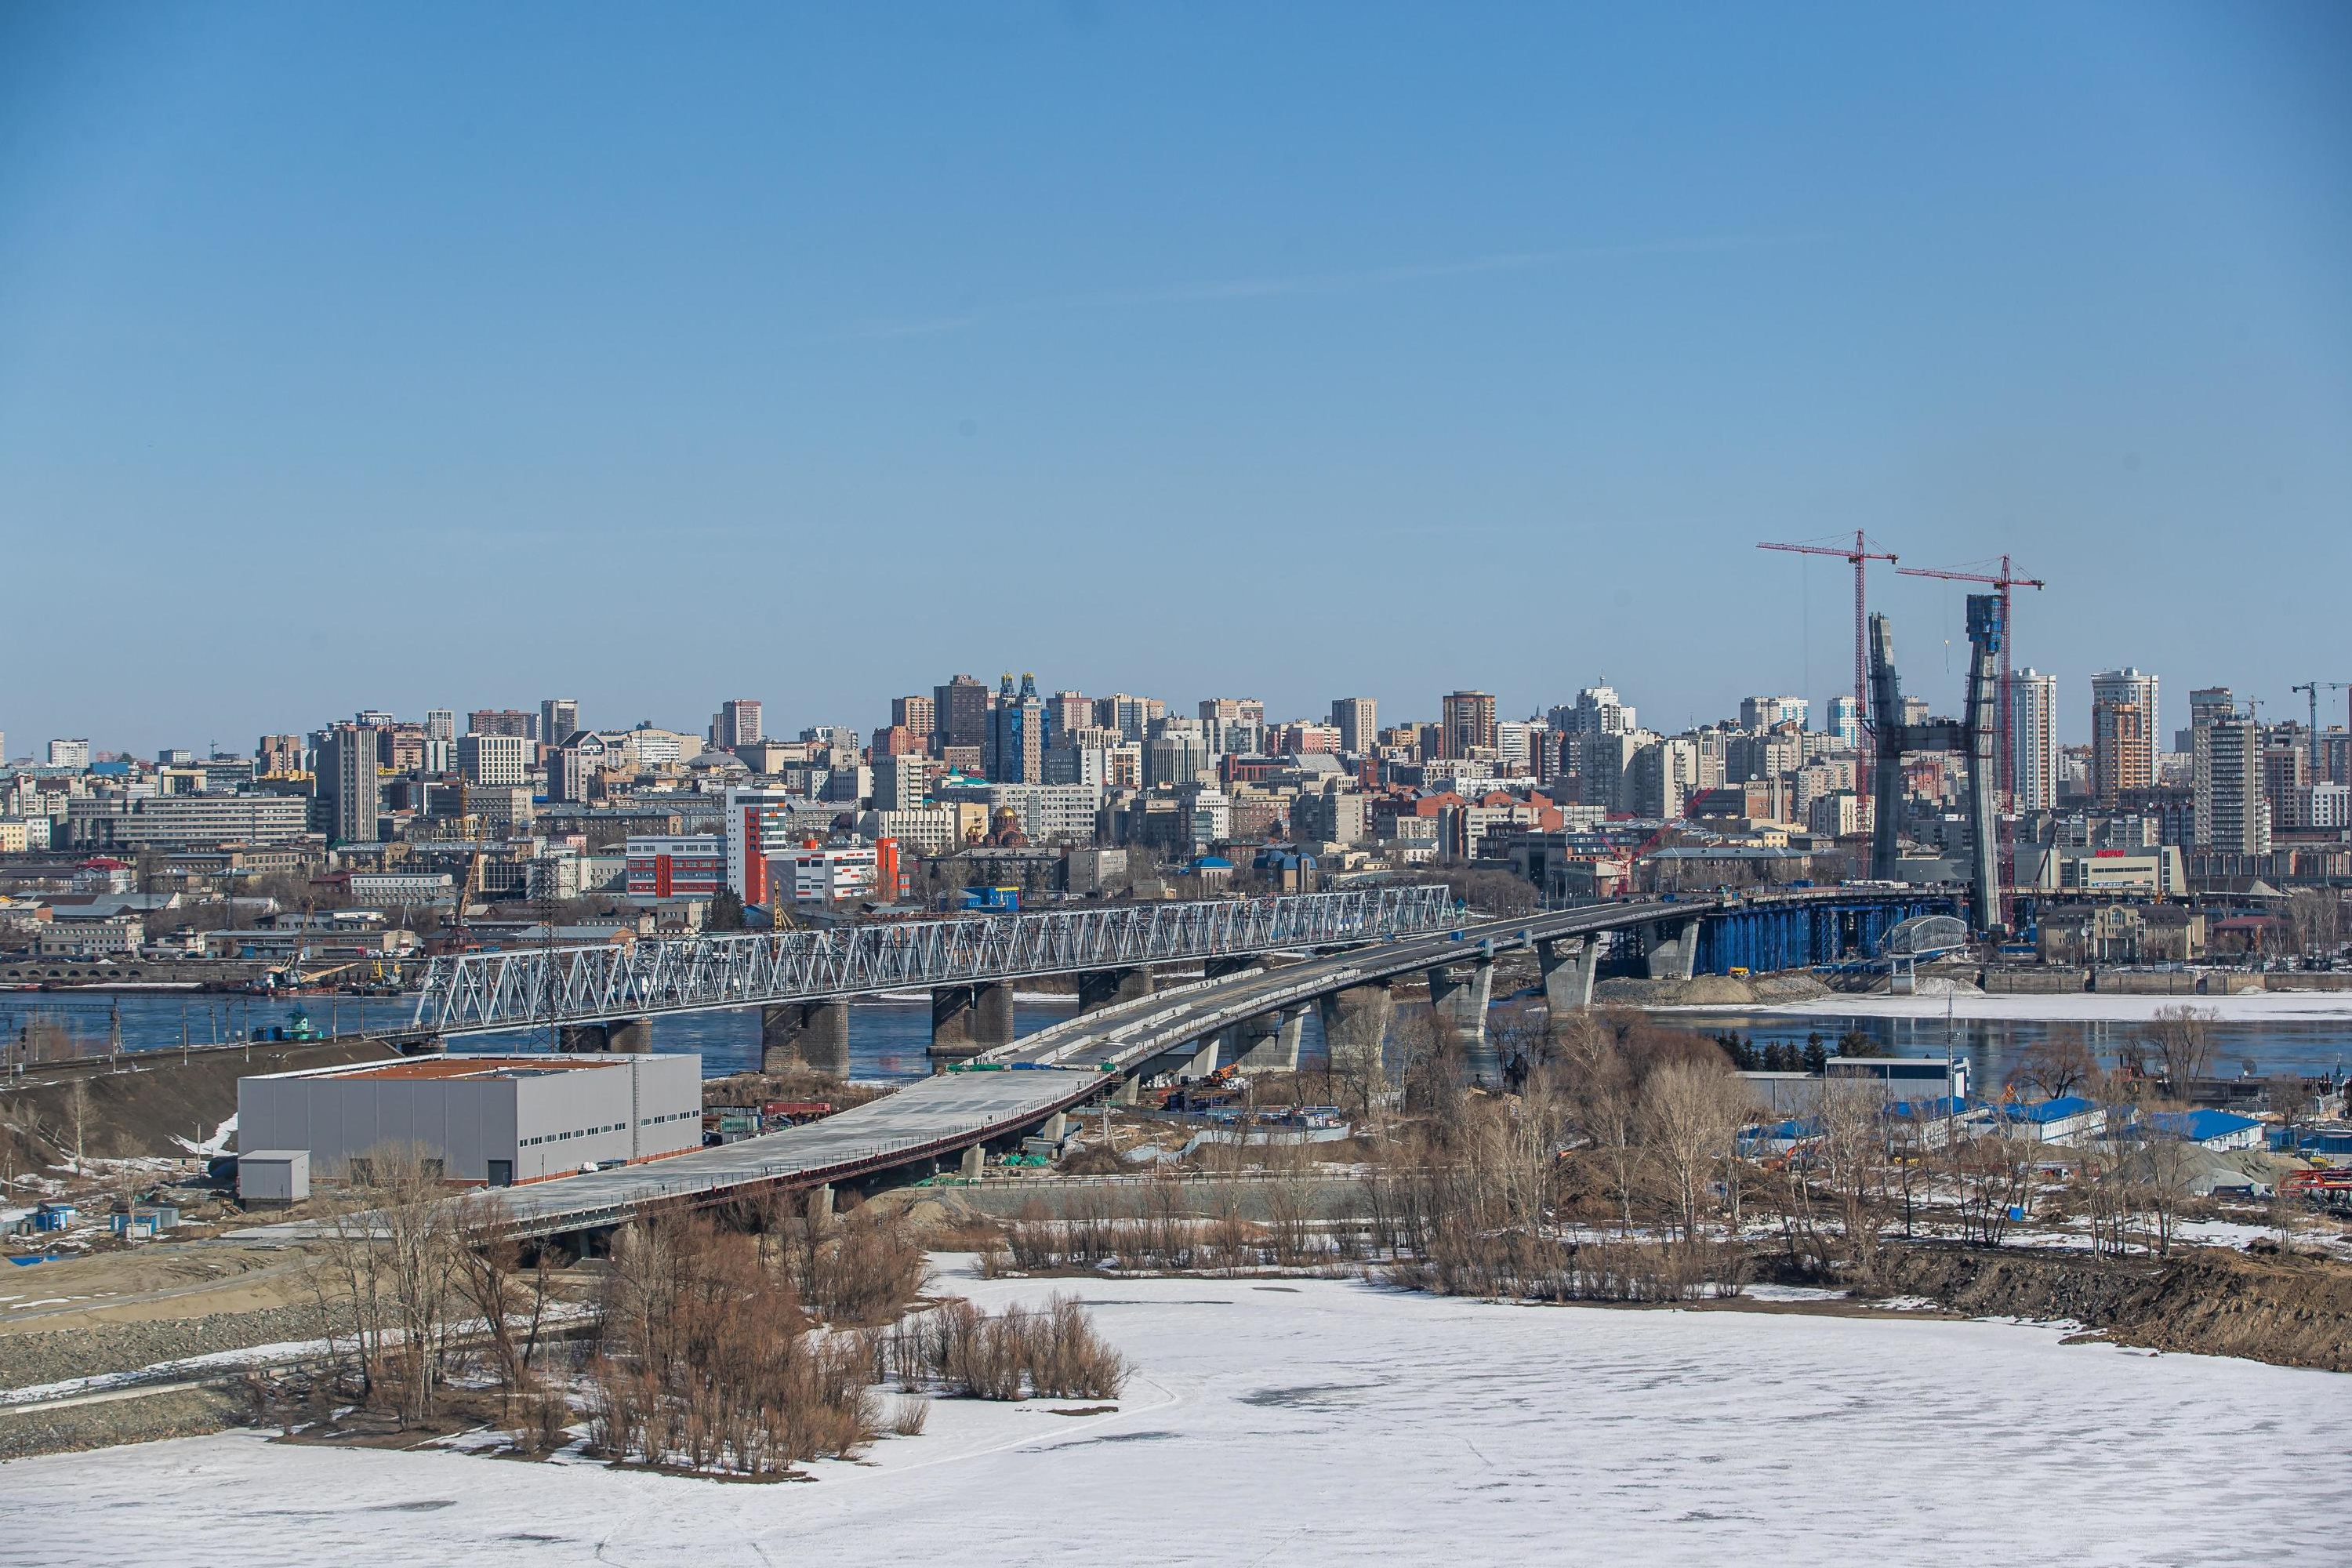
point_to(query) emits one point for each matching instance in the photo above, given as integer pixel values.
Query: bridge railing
(484, 990)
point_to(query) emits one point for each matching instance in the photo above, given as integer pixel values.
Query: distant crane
(1858, 556)
(2312, 688)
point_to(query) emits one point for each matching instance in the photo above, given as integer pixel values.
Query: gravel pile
(37, 1357)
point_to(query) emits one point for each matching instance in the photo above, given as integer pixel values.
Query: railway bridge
(1248, 1011)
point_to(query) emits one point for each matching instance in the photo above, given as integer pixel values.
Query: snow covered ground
(1331, 1421)
(2258, 1006)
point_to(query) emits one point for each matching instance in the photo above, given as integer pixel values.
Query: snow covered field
(1334, 1422)
(2069, 1006)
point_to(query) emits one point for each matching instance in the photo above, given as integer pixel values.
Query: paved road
(1051, 1070)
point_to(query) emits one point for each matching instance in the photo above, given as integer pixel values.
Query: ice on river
(1337, 1421)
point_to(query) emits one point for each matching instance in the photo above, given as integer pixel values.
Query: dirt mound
(1708, 991)
(2283, 1308)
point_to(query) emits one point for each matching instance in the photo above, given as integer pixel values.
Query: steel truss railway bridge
(1345, 951)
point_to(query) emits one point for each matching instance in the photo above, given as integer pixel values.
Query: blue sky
(436, 355)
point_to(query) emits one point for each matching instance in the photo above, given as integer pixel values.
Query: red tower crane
(1858, 556)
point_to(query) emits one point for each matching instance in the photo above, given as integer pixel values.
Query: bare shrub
(706, 1360)
(909, 1416)
(1053, 1352)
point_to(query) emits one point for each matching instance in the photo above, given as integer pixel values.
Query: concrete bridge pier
(1672, 948)
(1099, 988)
(1205, 1058)
(820, 1204)
(1460, 1002)
(1056, 1127)
(631, 1036)
(1220, 967)
(969, 1019)
(975, 1162)
(1269, 1042)
(1355, 1029)
(811, 1034)
(1567, 966)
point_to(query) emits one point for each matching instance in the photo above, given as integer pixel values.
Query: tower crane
(1858, 556)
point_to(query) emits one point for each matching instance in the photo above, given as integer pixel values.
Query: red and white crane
(1858, 555)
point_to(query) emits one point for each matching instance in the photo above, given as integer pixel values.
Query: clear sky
(418, 355)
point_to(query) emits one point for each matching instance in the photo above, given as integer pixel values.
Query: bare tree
(1689, 1118)
(2181, 1039)
(2057, 1064)
(2315, 917)
(78, 1114)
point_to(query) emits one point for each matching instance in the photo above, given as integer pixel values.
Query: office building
(1595, 712)
(279, 756)
(1466, 725)
(496, 761)
(960, 713)
(2033, 741)
(916, 715)
(1013, 749)
(559, 720)
(737, 723)
(1357, 720)
(350, 789)
(674, 865)
(1133, 717)
(503, 722)
(441, 724)
(2232, 813)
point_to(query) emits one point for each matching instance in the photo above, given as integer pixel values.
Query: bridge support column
(1672, 948)
(1125, 1094)
(1460, 1003)
(820, 1204)
(809, 1033)
(1099, 988)
(1356, 1029)
(634, 1036)
(1269, 1042)
(1219, 968)
(1056, 1127)
(1568, 965)
(969, 1019)
(975, 1161)
(1205, 1058)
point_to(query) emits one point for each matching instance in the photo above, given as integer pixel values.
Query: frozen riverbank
(1280, 1422)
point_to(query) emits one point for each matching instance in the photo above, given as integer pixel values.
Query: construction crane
(2312, 688)
(1858, 556)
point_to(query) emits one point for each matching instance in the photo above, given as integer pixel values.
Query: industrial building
(487, 1119)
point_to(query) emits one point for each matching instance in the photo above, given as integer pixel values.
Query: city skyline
(293, 373)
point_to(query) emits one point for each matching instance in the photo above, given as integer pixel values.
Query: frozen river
(1336, 1422)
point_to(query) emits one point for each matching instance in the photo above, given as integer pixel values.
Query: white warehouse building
(489, 1119)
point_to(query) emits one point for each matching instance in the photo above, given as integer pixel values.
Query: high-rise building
(279, 756)
(2232, 812)
(1845, 721)
(503, 722)
(441, 724)
(1595, 712)
(2033, 740)
(1133, 717)
(1069, 710)
(1357, 720)
(916, 715)
(1465, 720)
(494, 762)
(70, 755)
(960, 713)
(1771, 712)
(2122, 731)
(1231, 710)
(1014, 749)
(2206, 704)
(737, 723)
(350, 792)
(559, 720)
